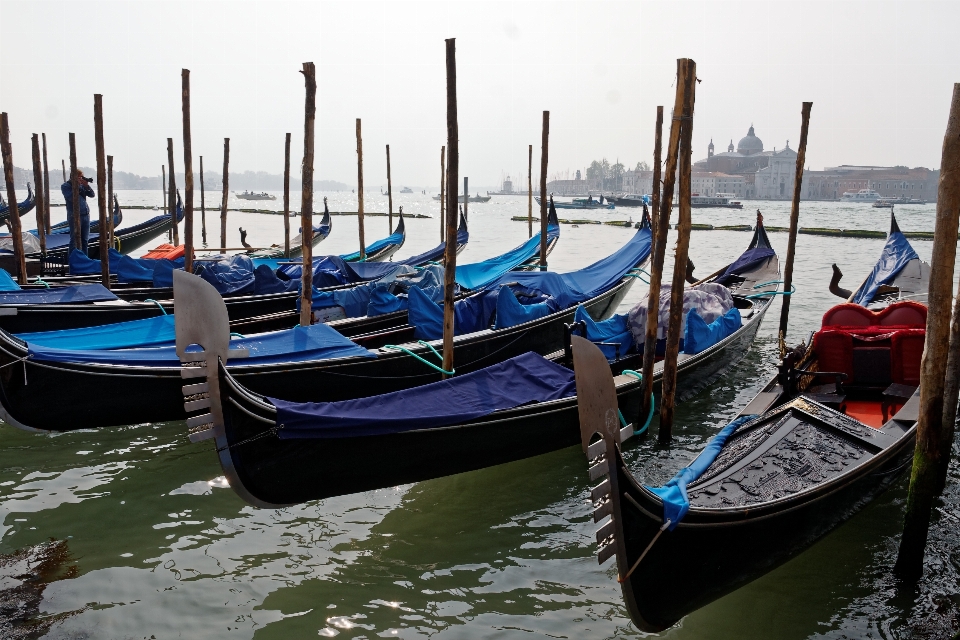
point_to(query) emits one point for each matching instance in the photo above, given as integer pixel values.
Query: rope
(158, 304)
(638, 376)
(41, 281)
(643, 555)
(15, 361)
(763, 294)
(423, 360)
(237, 335)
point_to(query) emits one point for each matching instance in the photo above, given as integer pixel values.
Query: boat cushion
(525, 379)
(848, 315)
(907, 313)
(834, 351)
(906, 350)
(166, 252)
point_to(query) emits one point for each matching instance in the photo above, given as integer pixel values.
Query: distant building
(567, 187)
(710, 183)
(638, 182)
(890, 182)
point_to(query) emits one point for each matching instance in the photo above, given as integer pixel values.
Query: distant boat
(888, 202)
(632, 200)
(406, 190)
(864, 195)
(714, 202)
(581, 203)
(476, 198)
(249, 195)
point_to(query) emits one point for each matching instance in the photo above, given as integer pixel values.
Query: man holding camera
(85, 192)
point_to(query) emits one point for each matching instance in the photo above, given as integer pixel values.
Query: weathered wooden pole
(306, 194)
(46, 187)
(794, 221)
(101, 190)
(163, 186)
(63, 167)
(7, 151)
(389, 194)
(363, 250)
(38, 182)
(187, 173)
(443, 194)
(686, 78)
(530, 191)
(203, 208)
(927, 457)
(75, 190)
(951, 393)
(658, 246)
(544, 148)
(286, 197)
(110, 204)
(226, 194)
(453, 168)
(466, 198)
(172, 194)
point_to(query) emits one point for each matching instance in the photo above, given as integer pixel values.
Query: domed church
(748, 159)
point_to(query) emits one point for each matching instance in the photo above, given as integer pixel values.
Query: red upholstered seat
(906, 350)
(906, 314)
(834, 351)
(903, 314)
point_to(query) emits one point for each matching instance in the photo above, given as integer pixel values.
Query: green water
(163, 548)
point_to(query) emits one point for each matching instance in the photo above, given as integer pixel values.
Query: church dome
(750, 144)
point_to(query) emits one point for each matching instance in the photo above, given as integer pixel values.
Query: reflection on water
(162, 547)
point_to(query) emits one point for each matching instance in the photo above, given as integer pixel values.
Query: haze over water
(165, 549)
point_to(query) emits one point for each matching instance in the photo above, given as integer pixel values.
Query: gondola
(899, 274)
(22, 207)
(145, 383)
(830, 432)
(382, 250)
(320, 233)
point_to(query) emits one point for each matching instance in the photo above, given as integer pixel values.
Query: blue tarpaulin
(511, 311)
(148, 332)
(7, 283)
(81, 265)
(429, 280)
(394, 238)
(353, 300)
(747, 261)
(268, 282)
(481, 274)
(698, 335)
(230, 276)
(897, 252)
(613, 330)
(515, 382)
(58, 295)
(132, 270)
(674, 493)
(316, 342)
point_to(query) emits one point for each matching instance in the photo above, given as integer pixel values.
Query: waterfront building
(710, 183)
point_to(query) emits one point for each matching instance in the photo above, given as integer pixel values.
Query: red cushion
(834, 351)
(907, 313)
(848, 315)
(906, 351)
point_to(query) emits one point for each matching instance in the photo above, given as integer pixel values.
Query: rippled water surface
(164, 549)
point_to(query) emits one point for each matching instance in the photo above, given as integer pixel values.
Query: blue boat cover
(163, 271)
(58, 295)
(511, 311)
(7, 283)
(613, 330)
(149, 332)
(330, 271)
(316, 342)
(230, 276)
(674, 493)
(698, 335)
(897, 252)
(522, 380)
(353, 300)
(81, 265)
(750, 259)
(394, 238)
(429, 280)
(132, 270)
(266, 281)
(480, 275)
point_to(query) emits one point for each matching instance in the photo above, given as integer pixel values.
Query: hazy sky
(879, 74)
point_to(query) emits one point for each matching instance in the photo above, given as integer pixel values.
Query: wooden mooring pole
(286, 197)
(544, 152)
(46, 187)
(172, 194)
(794, 222)
(529, 190)
(389, 194)
(38, 183)
(110, 202)
(951, 394)
(101, 190)
(75, 191)
(928, 454)
(363, 250)
(6, 149)
(226, 195)
(453, 168)
(466, 198)
(203, 208)
(657, 251)
(306, 194)
(187, 173)
(686, 78)
(443, 192)
(63, 167)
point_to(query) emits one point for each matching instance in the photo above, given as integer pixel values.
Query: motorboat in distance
(249, 195)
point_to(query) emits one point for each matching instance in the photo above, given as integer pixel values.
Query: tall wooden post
(172, 194)
(389, 194)
(75, 190)
(63, 167)
(686, 78)
(794, 221)
(466, 198)
(306, 194)
(951, 393)
(927, 459)
(101, 190)
(530, 191)
(110, 203)
(7, 151)
(226, 195)
(286, 197)
(658, 248)
(544, 144)
(187, 173)
(203, 208)
(443, 194)
(363, 250)
(46, 186)
(38, 182)
(453, 168)
(163, 186)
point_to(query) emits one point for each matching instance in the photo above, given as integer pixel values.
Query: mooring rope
(423, 360)
(158, 304)
(638, 376)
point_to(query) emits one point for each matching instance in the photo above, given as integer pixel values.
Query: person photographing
(85, 192)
